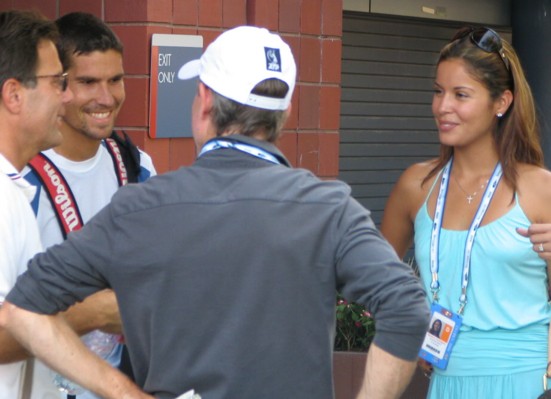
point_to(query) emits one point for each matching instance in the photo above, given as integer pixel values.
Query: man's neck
(77, 147)
(17, 158)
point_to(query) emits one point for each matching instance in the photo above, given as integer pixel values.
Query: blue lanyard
(246, 148)
(475, 224)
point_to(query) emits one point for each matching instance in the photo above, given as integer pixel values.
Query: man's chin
(100, 133)
(52, 142)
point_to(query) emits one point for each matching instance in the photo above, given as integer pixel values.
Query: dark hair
(83, 33)
(517, 132)
(231, 116)
(20, 34)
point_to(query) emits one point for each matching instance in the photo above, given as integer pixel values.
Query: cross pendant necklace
(470, 197)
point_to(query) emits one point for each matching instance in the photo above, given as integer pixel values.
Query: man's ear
(12, 95)
(206, 99)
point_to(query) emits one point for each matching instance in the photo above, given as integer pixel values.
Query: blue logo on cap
(273, 59)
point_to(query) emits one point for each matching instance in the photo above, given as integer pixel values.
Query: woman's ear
(504, 102)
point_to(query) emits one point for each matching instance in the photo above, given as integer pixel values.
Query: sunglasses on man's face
(485, 39)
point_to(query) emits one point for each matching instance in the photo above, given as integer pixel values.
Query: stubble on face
(98, 86)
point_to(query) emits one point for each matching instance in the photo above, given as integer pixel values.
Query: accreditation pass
(443, 329)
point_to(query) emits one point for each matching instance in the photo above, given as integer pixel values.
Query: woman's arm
(534, 193)
(403, 203)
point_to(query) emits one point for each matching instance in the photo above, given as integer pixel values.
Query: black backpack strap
(130, 155)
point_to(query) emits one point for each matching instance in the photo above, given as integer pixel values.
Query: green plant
(355, 327)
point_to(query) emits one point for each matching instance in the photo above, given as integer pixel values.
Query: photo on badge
(443, 329)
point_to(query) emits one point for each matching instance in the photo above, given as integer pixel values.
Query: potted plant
(355, 329)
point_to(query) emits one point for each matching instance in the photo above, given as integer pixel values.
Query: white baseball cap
(238, 60)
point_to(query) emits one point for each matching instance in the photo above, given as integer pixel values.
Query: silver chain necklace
(470, 197)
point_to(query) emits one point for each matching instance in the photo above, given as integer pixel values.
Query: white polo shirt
(19, 241)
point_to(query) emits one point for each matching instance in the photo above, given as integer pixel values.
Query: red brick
(210, 13)
(287, 144)
(90, 6)
(310, 60)
(137, 46)
(159, 150)
(289, 16)
(46, 7)
(308, 151)
(159, 11)
(234, 13)
(263, 13)
(6, 5)
(330, 107)
(184, 31)
(138, 137)
(126, 10)
(294, 43)
(310, 17)
(328, 155)
(185, 12)
(135, 110)
(208, 36)
(182, 152)
(331, 18)
(138, 10)
(308, 107)
(292, 119)
(331, 53)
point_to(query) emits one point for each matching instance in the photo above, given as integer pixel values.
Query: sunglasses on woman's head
(485, 39)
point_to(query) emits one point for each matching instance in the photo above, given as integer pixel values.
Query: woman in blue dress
(468, 213)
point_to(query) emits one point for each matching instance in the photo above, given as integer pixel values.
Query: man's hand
(386, 376)
(99, 311)
(52, 340)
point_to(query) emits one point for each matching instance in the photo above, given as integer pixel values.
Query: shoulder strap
(120, 168)
(128, 152)
(126, 160)
(433, 184)
(59, 193)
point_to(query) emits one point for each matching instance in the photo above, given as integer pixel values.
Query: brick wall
(313, 29)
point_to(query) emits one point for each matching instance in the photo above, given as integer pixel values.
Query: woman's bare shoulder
(534, 191)
(411, 191)
(414, 175)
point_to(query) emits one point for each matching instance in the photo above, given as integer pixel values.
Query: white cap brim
(190, 70)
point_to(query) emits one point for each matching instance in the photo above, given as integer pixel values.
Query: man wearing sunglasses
(33, 91)
(77, 178)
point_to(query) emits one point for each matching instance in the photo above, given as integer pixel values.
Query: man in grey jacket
(226, 271)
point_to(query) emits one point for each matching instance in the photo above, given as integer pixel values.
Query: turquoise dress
(501, 350)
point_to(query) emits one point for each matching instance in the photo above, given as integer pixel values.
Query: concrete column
(531, 23)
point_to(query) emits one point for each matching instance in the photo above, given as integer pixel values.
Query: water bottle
(102, 344)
